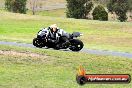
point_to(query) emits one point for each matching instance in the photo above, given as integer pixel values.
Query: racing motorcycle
(75, 44)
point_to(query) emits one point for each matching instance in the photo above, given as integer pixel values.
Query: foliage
(78, 8)
(120, 7)
(99, 13)
(17, 6)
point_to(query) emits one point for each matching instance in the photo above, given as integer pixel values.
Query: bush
(17, 6)
(99, 13)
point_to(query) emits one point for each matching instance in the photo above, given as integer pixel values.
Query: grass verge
(58, 69)
(103, 35)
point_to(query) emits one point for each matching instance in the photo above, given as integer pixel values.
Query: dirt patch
(23, 54)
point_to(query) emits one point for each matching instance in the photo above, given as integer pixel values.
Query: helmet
(54, 26)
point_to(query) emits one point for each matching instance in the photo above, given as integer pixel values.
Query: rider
(53, 34)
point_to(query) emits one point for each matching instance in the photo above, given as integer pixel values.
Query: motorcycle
(75, 44)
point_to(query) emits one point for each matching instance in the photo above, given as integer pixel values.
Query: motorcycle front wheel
(76, 45)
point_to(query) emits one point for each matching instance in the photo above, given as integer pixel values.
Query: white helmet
(53, 26)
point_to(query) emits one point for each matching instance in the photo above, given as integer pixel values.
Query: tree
(33, 6)
(99, 13)
(8, 5)
(78, 8)
(120, 7)
(17, 6)
(36, 5)
(130, 7)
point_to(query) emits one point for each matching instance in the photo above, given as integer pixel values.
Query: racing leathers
(55, 37)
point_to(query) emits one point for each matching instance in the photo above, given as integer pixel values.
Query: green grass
(58, 70)
(53, 13)
(104, 35)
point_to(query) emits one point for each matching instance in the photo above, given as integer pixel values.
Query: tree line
(80, 9)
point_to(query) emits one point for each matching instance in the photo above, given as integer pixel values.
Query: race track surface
(89, 51)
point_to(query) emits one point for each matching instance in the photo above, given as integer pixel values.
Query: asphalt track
(89, 51)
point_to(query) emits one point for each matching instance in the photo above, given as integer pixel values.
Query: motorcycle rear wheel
(37, 43)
